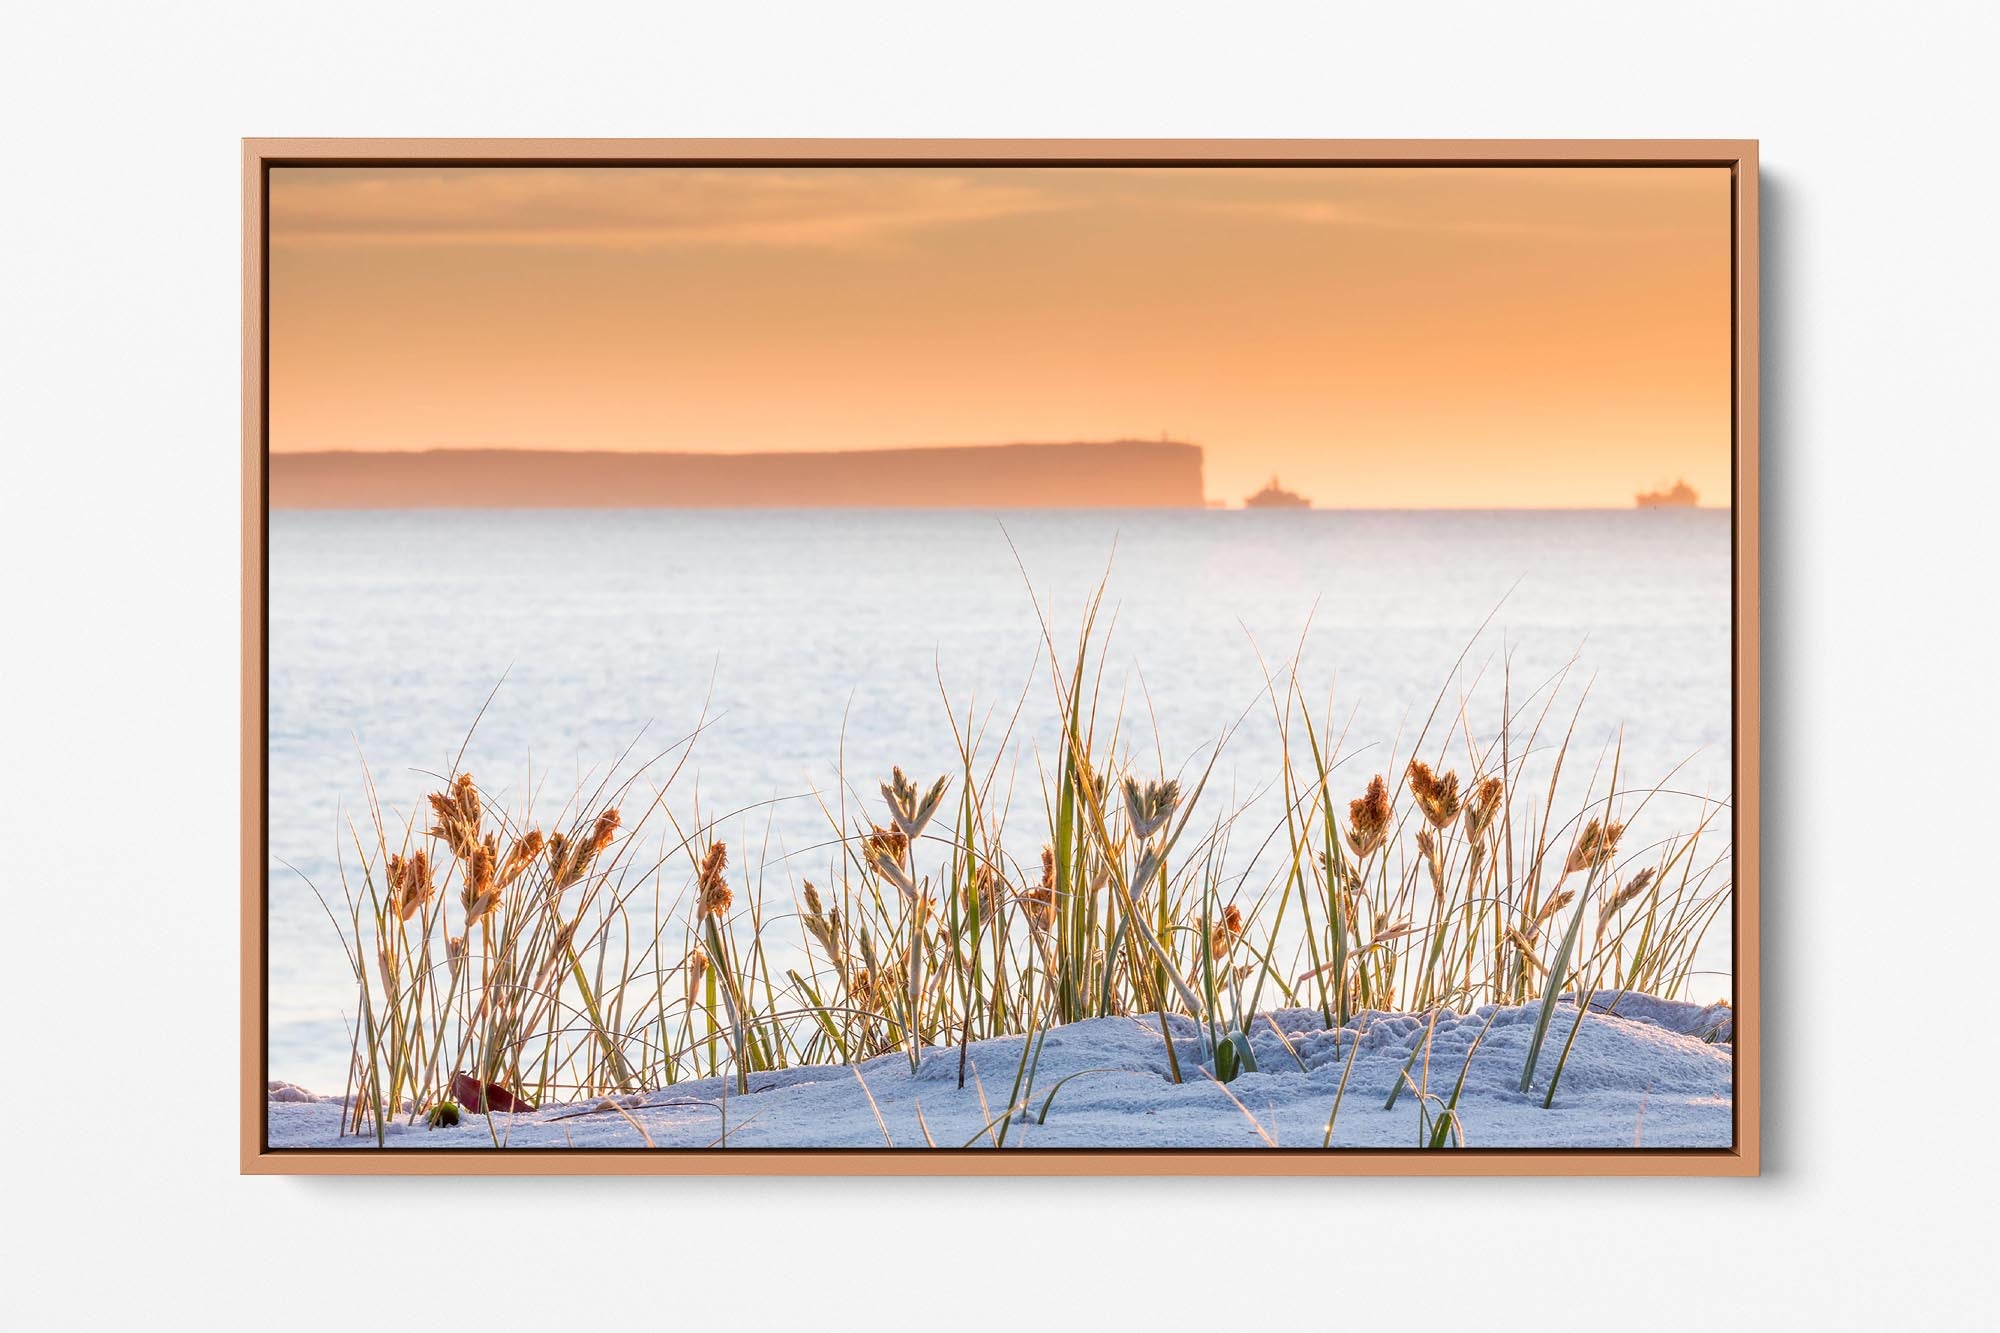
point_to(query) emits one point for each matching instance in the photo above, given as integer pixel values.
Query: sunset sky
(1427, 336)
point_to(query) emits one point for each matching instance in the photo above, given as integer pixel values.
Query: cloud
(1563, 203)
(1324, 214)
(846, 207)
(636, 207)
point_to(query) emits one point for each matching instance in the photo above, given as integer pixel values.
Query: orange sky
(1377, 336)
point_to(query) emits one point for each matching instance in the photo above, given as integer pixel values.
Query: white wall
(119, 623)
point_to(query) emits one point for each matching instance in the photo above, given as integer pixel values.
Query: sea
(802, 645)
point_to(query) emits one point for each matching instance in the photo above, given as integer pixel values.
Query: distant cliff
(1121, 474)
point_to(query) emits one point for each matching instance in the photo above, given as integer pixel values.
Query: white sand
(1642, 1076)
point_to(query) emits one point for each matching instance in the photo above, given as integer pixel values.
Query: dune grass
(621, 945)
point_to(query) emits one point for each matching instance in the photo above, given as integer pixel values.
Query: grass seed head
(910, 810)
(1436, 796)
(885, 843)
(1481, 809)
(603, 831)
(1427, 845)
(520, 856)
(1634, 886)
(696, 969)
(1369, 817)
(1226, 932)
(1554, 905)
(410, 884)
(479, 893)
(458, 813)
(570, 859)
(1149, 808)
(1616, 902)
(709, 881)
(823, 925)
(1595, 846)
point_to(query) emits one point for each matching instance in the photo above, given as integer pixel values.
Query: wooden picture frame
(261, 156)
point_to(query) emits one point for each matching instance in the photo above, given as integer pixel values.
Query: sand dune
(1648, 1073)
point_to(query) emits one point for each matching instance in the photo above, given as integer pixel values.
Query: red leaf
(475, 1095)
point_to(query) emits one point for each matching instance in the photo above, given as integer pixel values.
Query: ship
(1274, 496)
(1680, 496)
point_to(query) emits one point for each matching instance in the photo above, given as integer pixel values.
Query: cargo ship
(1679, 496)
(1274, 496)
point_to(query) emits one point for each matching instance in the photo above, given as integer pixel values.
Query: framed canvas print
(982, 657)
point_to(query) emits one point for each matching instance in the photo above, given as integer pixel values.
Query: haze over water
(388, 630)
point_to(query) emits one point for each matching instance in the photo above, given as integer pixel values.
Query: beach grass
(621, 945)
